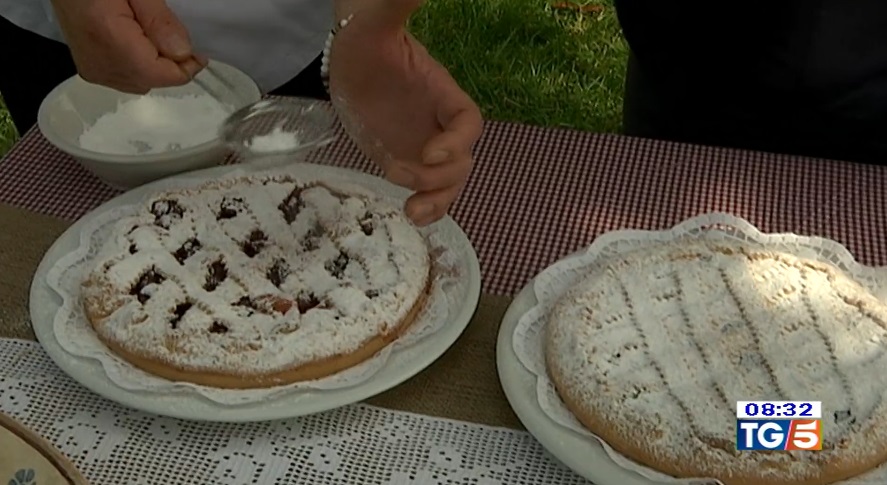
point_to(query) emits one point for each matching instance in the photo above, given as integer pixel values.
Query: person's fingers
(122, 85)
(427, 178)
(132, 63)
(455, 142)
(147, 68)
(398, 173)
(200, 59)
(462, 126)
(191, 66)
(112, 48)
(424, 208)
(446, 157)
(163, 28)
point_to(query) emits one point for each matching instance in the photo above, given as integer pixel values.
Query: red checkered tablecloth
(539, 194)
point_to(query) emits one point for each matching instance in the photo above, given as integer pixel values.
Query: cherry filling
(311, 241)
(216, 275)
(149, 277)
(266, 304)
(187, 250)
(178, 313)
(366, 224)
(336, 267)
(247, 303)
(254, 243)
(230, 207)
(269, 304)
(292, 205)
(306, 301)
(278, 272)
(166, 212)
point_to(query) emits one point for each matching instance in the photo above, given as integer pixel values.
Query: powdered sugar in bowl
(128, 140)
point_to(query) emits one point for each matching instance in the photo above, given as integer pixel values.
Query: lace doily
(555, 280)
(358, 444)
(75, 335)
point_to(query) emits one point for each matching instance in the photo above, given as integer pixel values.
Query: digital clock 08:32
(778, 409)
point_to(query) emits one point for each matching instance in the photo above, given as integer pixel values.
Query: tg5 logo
(779, 434)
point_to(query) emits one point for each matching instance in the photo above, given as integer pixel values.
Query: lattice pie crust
(652, 351)
(257, 282)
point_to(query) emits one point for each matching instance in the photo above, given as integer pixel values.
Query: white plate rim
(401, 365)
(584, 456)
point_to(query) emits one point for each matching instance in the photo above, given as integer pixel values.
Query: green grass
(520, 60)
(8, 135)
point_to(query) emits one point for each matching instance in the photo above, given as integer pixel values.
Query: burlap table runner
(463, 384)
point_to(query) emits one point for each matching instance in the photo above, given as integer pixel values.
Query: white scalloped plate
(401, 365)
(584, 454)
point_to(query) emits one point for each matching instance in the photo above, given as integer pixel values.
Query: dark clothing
(36, 65)
(806, 77)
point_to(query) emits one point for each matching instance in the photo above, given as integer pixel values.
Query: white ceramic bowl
(76, 104)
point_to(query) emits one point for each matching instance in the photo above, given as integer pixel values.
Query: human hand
(402, 108)
(132, 46)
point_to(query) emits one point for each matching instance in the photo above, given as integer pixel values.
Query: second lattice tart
(257, 282)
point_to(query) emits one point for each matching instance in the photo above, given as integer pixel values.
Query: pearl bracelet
(325, 58)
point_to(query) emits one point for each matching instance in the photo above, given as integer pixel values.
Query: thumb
(390, 14)
(163, 28)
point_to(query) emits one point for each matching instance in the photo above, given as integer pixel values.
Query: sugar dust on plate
(156, 124)
(277, 140)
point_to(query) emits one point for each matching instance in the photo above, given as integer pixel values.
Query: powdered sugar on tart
(652, 352)
(250, 282)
